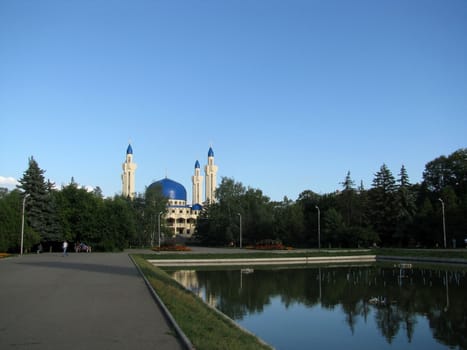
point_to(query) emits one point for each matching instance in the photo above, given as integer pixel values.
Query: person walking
(65, 246)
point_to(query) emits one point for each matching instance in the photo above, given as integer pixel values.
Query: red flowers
(172, 248)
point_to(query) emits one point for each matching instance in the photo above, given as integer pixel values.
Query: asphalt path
(80, 301)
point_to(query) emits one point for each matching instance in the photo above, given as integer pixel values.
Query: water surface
(341, 307)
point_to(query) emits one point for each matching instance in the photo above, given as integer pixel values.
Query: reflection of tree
(388, 320)
(419, 292)
(407, 309)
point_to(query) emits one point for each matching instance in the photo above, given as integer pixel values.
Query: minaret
(128, 176)
(197, 181)
(211, 179)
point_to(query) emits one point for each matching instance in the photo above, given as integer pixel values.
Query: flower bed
(172, 248)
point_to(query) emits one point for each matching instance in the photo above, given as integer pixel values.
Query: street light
(153, 231)
(319, 227)
(22, 222)
(240, 217)
(159, 224)
(444, 221)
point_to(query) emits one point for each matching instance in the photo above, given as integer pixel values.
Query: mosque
(180, 216)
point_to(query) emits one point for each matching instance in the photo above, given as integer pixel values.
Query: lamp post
(153, 231)
(240, 218)
(319, 227)
(22, 223)
(444, 221)
(159, 229)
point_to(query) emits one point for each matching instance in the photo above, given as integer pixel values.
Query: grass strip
(205, 328)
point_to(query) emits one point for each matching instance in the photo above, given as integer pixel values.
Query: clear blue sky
(290, 94)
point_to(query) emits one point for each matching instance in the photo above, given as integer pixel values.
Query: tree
(348, 198)
(138, 205)
(446, 177)
(289, 222)
(224, 226)
(447, 171)
(117, 226)
(334, 228)
(383, 211)
(307, 201)
(257, 215)
(38, 203)
(10, 218)
(405, 203)
(79, 213)
(219, 222)
(154, 204)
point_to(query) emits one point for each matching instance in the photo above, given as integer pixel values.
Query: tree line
(75, 214)
(393, 212)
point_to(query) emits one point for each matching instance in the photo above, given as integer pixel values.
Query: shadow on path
(107, 269)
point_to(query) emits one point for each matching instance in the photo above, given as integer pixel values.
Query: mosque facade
(181, 216)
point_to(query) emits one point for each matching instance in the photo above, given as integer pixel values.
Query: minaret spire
(128, 176)
(211, 177)
(197, 181)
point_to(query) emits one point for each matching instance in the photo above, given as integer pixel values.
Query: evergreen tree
(54, 230)
(362, 206)
(38, 203)
(383, 211)
(405, 202)
(348, 197)
(348, 184)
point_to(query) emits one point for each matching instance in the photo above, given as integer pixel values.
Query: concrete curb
(182, 336)
(451, 261)
(263, 261)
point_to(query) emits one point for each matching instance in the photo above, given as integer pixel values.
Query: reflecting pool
(341, 307)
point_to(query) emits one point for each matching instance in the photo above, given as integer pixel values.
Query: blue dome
(197, 166)
(197, 207)
(129, 150)
(171, 189)
(210, 152)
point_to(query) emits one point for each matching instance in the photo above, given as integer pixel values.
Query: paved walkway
(81, 301)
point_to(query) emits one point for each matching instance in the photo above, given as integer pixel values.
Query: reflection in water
(370, 306)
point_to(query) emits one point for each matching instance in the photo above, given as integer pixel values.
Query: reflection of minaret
(128, 176)
(211, 177)
(197, 181)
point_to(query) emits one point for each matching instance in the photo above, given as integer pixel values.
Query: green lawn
(205, 328)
